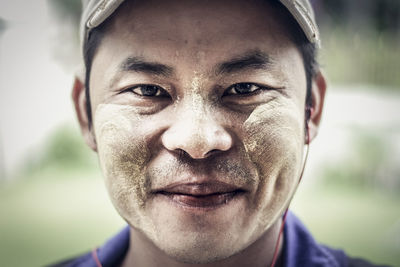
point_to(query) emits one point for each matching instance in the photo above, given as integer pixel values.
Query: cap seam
(102, 11)
(300, 13)
(305, 13)
(100, 6)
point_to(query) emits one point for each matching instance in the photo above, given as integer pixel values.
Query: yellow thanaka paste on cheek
(274, 142)
(123, 155)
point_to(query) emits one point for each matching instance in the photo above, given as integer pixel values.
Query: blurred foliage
(370, 15)
(360, 41)
(361, 58)
(64, 149)
(70, 9)
(363, 222)
(366, 165)
(66, 37)
(3, 26)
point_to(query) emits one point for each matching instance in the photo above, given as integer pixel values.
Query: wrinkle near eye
(148, 90)
(243, 88)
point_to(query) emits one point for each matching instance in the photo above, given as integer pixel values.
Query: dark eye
(242, 89)
(148, 90)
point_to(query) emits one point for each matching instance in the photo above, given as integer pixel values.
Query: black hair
(89, 50)
(307, 50)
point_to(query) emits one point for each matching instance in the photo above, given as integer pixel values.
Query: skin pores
(274, 142)
(123, 155)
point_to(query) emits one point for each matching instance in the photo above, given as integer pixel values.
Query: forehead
(197, 28)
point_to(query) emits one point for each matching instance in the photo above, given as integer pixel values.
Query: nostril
(182, 153)
(193, 154)
(211, 152)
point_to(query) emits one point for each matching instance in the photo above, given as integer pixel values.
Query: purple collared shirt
(299, 250)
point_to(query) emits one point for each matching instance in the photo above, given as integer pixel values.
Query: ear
(318, 95)
(79, 99)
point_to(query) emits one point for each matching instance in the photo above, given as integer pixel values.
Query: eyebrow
(137, 64)
(254, 59)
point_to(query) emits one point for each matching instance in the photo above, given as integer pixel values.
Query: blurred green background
(53, 203)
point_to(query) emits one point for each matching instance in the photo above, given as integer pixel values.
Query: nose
(199, 135)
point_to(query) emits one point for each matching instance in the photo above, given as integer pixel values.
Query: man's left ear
(79, 99)
(318, 95)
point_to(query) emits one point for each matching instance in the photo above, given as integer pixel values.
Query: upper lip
(199, 188)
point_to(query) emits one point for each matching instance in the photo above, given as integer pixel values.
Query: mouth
(201, 195)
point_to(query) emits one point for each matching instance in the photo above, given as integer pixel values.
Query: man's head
(198, 111)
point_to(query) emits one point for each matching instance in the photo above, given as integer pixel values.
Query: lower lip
(203, 202)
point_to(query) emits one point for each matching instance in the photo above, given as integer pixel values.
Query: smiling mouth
(208, 195)
(202, 201)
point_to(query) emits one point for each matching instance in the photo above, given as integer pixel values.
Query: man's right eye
(148, 90)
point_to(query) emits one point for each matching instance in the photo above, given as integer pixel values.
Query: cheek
(122, 154)
(274, 144)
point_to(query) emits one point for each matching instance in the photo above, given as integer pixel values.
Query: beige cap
(96, 12)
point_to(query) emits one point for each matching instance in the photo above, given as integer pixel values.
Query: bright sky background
(34, 89)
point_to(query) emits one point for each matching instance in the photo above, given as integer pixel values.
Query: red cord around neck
(275, 257)
(96, 258)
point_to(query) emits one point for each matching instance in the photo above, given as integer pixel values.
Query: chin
(199, 251)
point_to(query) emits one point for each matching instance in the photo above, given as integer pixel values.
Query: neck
(143, 253)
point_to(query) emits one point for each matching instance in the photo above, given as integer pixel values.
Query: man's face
(199, 122)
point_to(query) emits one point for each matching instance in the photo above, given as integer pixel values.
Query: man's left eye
(242, 89)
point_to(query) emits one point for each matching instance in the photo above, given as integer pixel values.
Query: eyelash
(253, 87)
(160, 92)
(231, 90)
